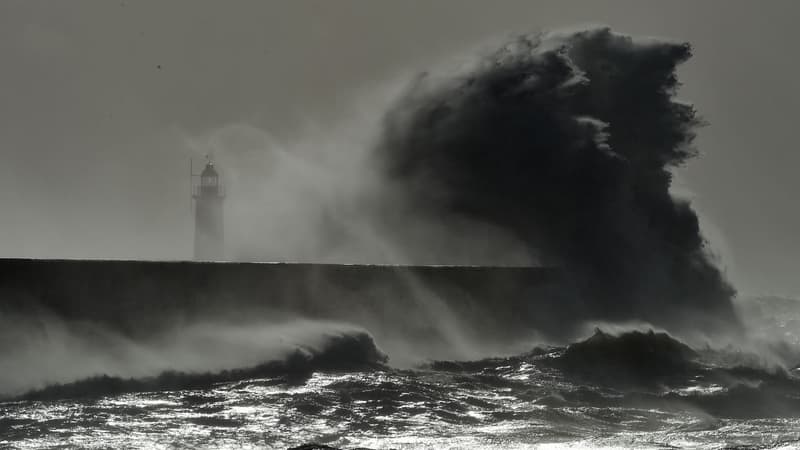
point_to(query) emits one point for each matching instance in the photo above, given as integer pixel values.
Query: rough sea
(629, 389)
(565, 141)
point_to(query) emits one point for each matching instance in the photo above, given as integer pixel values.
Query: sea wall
(137, 296)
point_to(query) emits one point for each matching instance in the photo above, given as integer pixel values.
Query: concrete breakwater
(140, 296)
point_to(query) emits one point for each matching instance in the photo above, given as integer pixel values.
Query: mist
(435, 230)
(548, 149)
(322, 196)
(46, 350)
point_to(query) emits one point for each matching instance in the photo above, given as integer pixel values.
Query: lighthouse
(208, 215)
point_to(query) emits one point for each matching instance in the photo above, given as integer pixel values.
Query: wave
(634, 369)
(49, 355)
(568, 141)
(354, 351)
(637, 369)
(633, 357)
(636, 358)
(736, 402)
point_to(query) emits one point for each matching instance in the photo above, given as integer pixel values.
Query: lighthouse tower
(208, 216)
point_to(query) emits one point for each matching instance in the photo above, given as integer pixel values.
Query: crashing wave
(637, 369)
(568, 141)
(632, 357)
(353, 351)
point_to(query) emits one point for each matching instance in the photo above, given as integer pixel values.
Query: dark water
(631, 390)
(420, 375)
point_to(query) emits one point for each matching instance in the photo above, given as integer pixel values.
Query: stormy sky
(98, 100)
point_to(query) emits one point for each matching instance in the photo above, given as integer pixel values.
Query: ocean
(635, 390)
(201, 379)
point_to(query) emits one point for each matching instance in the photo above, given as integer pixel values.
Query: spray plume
(567, 140)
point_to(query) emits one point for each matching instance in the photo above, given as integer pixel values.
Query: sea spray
(568, 140)
(46, 350)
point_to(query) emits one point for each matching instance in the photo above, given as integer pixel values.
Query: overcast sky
(96, 98)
